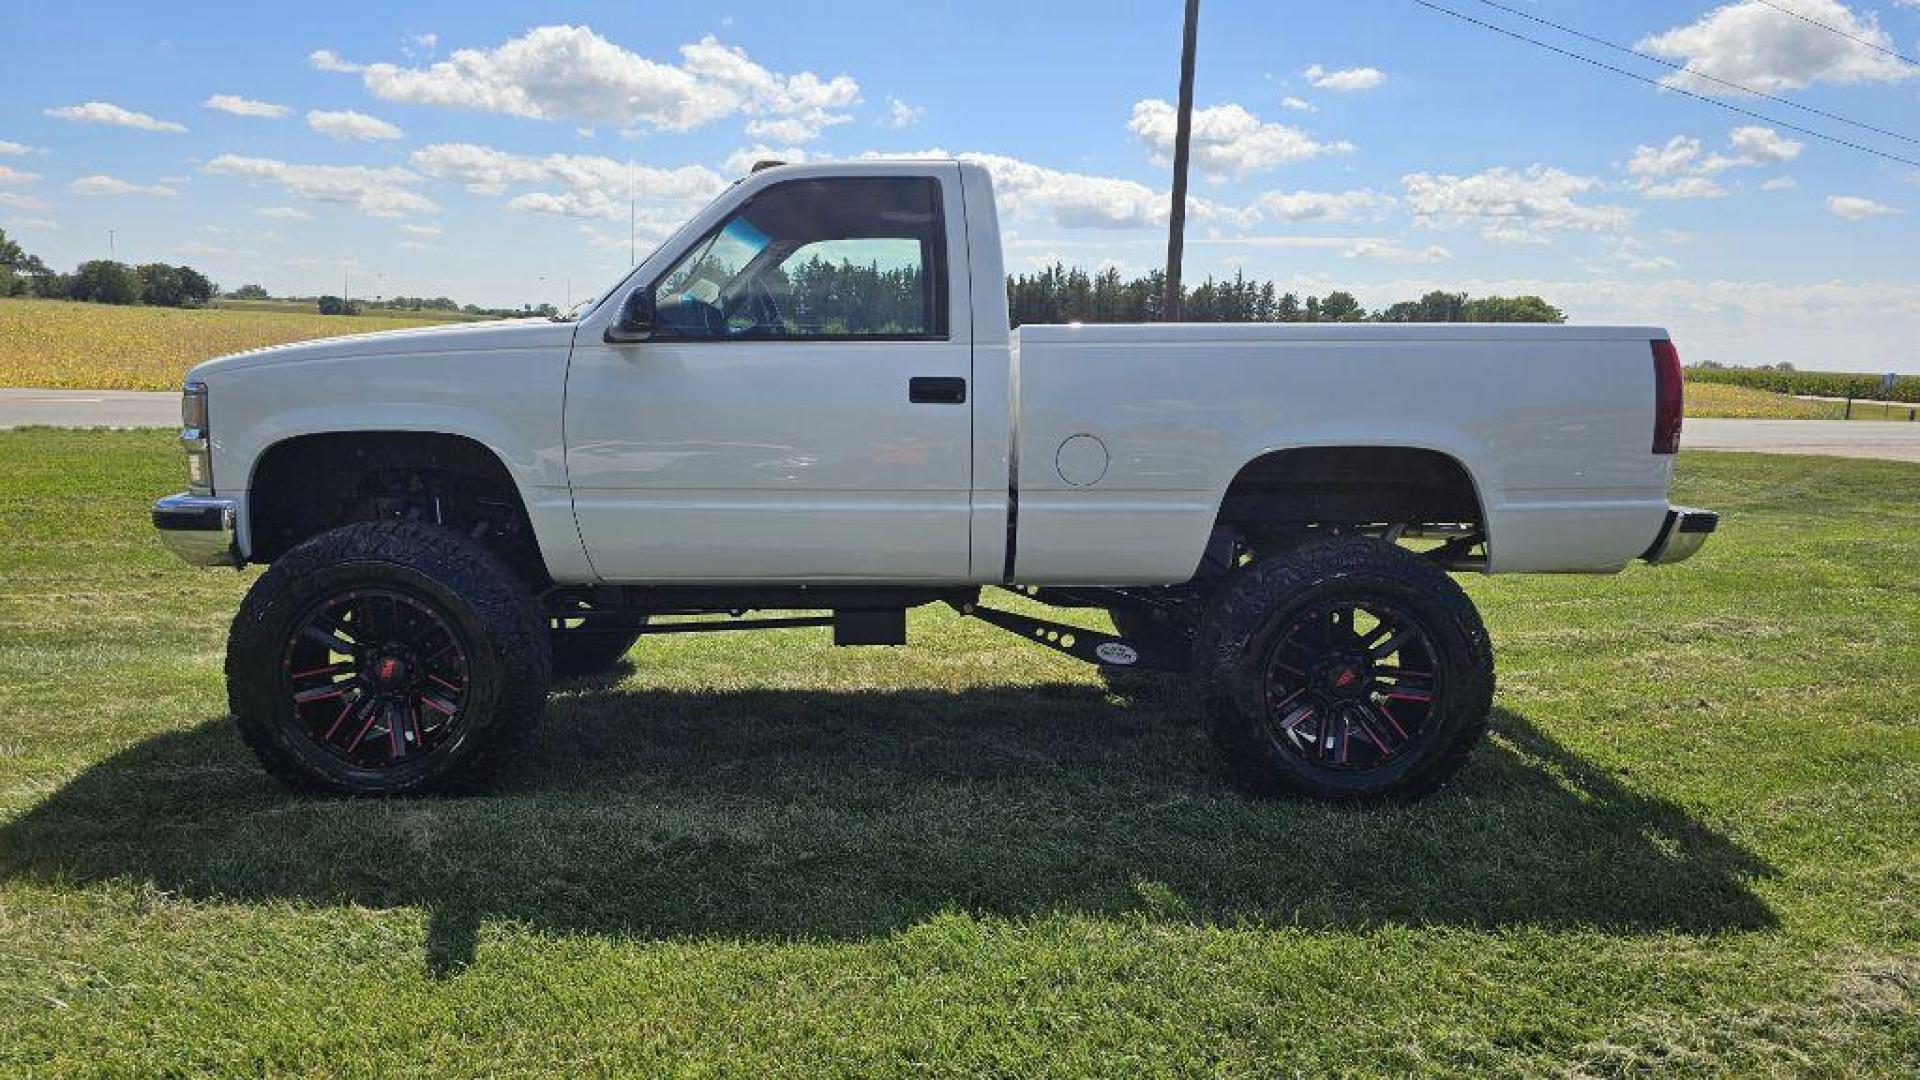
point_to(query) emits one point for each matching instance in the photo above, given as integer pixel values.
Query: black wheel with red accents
(1346, 669)
(387, 658)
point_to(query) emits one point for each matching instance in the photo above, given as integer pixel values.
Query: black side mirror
(636, 318)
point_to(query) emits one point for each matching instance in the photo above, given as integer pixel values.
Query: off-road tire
(590, 648)
(1231, 652)
(465, 583)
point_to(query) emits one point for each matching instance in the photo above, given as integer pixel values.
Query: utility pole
(111, 253)
(1182, 133)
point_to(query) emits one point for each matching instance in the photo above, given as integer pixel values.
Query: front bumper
(1681, 535)
(200, 529)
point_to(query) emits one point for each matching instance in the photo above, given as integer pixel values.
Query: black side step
(1091, 646)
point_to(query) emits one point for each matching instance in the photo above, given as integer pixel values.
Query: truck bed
(1552, 423)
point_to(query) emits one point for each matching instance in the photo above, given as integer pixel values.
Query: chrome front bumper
(1681, 535)
(199, 529)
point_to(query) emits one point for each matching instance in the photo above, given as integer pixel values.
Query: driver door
(776, 424)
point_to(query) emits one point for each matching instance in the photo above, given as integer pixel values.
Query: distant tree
(1515, 309)
(104, 281)
(1342, 307)
(196, 287)
(333, 305)
(250, 292)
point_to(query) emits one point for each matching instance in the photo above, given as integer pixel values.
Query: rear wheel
(1346, 669)
(386, 658)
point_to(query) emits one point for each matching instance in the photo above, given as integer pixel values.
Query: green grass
(1692, 844)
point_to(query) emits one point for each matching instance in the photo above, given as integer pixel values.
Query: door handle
(937, 390)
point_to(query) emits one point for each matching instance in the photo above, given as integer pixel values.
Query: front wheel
(386, 658)
(1346, 669)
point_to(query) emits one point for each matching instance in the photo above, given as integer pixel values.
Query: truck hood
(471, 337)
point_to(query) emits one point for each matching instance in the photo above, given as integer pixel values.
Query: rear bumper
(200, 529)
(1681, 535)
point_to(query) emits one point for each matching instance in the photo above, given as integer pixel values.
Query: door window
(815, 259)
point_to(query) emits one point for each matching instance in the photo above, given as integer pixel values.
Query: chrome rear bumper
(200, 529)
(1681, 535)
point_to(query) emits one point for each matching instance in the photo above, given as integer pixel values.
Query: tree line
(102, 281)
(1060, 294)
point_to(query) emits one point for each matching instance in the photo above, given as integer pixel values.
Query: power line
(1657, 84)
(1810, 20)
(1684, 69)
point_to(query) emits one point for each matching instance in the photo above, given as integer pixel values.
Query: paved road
(89, 408)
(1840, 438)
(1894, 441)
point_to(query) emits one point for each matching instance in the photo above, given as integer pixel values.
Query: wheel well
(306, 485)
(1351, 486)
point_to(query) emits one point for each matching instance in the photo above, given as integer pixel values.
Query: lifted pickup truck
(808, 400)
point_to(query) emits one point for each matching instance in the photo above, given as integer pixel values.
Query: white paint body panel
(498, 383)
(782, 460)
(1554, 425)
(789, 461)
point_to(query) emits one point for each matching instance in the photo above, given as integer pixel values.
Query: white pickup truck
(808, 400)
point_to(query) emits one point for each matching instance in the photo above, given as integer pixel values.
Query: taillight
(1669, 398)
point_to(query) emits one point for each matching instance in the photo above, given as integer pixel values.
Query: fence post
(1848, 415)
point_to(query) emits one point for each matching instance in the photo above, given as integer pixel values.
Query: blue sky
(487, 151)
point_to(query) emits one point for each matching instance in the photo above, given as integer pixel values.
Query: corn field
(63, 345)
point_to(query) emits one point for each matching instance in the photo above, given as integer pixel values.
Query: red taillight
(1669, 398)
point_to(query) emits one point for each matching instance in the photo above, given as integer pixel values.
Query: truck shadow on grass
(851, 814)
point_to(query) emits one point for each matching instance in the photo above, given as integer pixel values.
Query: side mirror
(636, 319)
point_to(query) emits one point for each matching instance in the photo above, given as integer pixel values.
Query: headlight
(194, 438)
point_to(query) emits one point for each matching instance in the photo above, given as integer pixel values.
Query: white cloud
(21, 202)
(804, 127)
(1318, 205)
(379, 192)
(12, 177)
(283, 213)
(742, 161)
(1758, 45)
(14, 148)
(1388, 251)
(1780, 183)
(1227, 139)
(241, 106)
(99, 184)
(35, 223)
(1525, 206)
(422, 230)
(1684, 187)
(328, 60)
(1299, 105)
(1360, 78)
(571, 72)
(1757, 145)
(1680, 155)
(588, 186)
(1681, 169)
(1857, 208)
(900, 114)
(347, 125)
(419, 46)
(103, 112)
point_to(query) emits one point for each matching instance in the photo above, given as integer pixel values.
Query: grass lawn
(1691, 846)
(54, 343)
